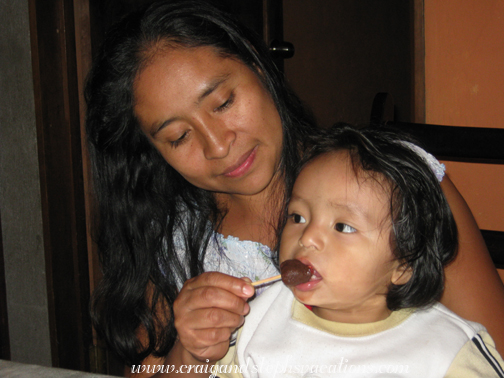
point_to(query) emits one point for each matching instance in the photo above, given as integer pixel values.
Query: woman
(194, 137)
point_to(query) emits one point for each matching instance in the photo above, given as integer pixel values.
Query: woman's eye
(180, 140)
(296, 218)
(226, 104)
(344, 228)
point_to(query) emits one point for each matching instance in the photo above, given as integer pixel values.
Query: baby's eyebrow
(295, 197)
(350, 208)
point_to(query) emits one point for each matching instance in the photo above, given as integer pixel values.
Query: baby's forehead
(326, 163)
(330, 172)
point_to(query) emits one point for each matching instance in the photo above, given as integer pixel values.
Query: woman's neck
(254, 217)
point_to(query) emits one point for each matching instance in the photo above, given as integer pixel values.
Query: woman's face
(211, 119)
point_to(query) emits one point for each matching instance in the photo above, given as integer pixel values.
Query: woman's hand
(208, 310)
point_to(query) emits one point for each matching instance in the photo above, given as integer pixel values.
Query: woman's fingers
(208, 309)
(199, 339)
(210, 297)
(214, 290)
(209, 322)
(236, 286)
(213, 353)
(208, 343)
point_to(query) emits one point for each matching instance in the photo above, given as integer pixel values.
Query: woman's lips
(243, 165)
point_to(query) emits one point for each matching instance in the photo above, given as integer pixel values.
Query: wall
(464, 85)
(20, 203)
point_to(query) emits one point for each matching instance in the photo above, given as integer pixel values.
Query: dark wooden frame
(56, 85)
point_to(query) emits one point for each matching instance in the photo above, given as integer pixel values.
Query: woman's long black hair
(141, 202)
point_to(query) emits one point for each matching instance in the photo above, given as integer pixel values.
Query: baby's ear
(402, 274)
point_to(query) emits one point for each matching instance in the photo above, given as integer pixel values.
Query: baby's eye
(296, 218)
(344, 228)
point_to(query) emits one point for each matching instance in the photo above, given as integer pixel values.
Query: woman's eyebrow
(211, 87)
(156, 128)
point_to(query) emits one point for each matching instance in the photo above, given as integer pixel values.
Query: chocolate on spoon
(294, 272)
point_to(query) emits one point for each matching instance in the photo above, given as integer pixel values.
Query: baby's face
(340, 225)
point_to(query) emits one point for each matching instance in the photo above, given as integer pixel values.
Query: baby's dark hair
(424, 235)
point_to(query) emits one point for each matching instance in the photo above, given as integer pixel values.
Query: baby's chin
(304, 295)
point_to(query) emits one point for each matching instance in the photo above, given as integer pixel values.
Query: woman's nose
(312, 237)
(217, 140)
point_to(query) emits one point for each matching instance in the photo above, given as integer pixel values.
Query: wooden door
(346, 52)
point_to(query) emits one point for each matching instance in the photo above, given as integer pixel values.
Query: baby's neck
(359, 316)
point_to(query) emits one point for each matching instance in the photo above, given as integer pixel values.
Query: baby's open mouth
(316, 275)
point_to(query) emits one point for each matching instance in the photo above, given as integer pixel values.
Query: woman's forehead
(181, 69)
(186, 64)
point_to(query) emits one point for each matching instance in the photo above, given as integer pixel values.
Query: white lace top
(239, 258)
(235, 257)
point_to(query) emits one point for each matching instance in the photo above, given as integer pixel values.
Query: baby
(368, 215)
